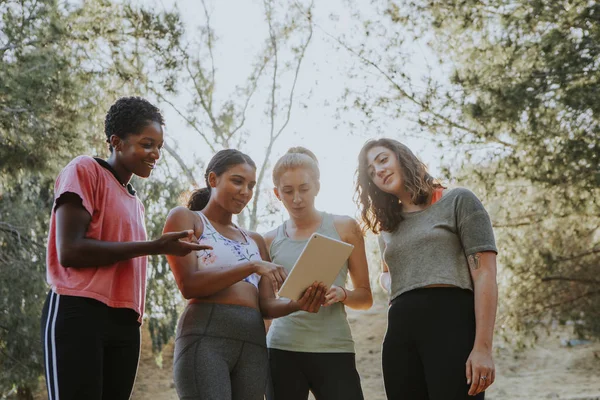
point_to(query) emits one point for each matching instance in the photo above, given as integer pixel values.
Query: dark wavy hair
(130, 115)
(381, 211)
(220, 163)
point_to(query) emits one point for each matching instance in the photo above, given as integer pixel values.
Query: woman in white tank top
(220, 349)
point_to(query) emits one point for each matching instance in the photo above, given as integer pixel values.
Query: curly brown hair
(381, 211)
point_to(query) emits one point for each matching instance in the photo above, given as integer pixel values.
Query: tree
(181, 63)
(522, 103)
(56, 83)
(42, 116)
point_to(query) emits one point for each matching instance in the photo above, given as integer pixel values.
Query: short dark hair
(129, 115)
(220, 163)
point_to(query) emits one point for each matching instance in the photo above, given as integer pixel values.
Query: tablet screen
(321, 260)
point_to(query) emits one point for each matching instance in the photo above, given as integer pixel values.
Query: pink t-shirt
(117, 216)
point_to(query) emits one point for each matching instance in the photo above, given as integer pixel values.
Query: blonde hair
(296, 157)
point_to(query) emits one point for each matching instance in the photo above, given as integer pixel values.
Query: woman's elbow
(266, 313)
(265, 309)
(186, 291)
(67, 257)
(367, 300)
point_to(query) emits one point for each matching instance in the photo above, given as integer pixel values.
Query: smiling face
(297, 190)
(138, 153)
(384, 170)
(233, 189)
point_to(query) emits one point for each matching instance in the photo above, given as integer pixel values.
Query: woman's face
(384, 170)
(297, 190)
(234, 188)
(138, 153)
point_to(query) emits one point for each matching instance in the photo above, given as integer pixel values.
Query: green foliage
(23, 231)
(526, 79)
(44, 114)
(523, 103)
(163, 300)
(48, 96)
(529, 82)
(56, 83)
(549, 254)
(181, 67)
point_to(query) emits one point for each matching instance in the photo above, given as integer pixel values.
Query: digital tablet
(321, 260)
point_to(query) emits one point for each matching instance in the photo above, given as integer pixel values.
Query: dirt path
(548, 371)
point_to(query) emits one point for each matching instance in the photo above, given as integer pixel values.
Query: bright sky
(316, 120)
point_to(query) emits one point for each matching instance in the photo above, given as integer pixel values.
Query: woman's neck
(306, 222)
(123, 174)
(407, 204)
(217, 214)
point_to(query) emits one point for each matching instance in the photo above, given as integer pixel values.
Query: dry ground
(547, 371)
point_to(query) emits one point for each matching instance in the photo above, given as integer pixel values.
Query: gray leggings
(220, 353)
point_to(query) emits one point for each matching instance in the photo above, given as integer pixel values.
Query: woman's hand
(335, 294)
(179, 243)
(311, 299)
(481, 372)
(275, 273)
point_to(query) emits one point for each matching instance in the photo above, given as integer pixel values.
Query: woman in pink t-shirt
(96, 261)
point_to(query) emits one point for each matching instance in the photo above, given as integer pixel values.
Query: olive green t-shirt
(431, 246)
(326, 331)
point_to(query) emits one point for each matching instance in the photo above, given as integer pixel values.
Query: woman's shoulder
(81, 164)
(465, 201)
(270, 237)
(346, 226)
(458, 192)
(257, 237)
(260, 242)
(344, 221)
(86, 161)
(182, 217)
(180, 211)
(463, 194)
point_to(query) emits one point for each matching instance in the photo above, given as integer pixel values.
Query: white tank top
(227, 252)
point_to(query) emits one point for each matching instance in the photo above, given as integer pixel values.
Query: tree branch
(8, 228)
(209, 43)
(188, 173)
(424, 107)
(571, 300)
(255, 77)
(576, 256)
(14, 110)
(273, 137)
(513, 224)
(566, 278)
(207, 107)
(296, 73)
(188, 120)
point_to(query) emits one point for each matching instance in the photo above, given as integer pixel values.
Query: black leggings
(329, 376)
(91, 351)
(430, 335)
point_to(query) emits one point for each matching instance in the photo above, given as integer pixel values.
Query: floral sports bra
(227, 252)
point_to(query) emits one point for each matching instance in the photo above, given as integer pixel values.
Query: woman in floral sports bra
(220, 346)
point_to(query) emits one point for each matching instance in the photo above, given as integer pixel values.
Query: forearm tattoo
(474, 261)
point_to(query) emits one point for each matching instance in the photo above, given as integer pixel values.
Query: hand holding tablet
(320, 261)
(312, 299)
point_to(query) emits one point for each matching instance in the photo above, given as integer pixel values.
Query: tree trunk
(24, 393)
